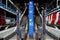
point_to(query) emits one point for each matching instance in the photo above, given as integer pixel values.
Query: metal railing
(52, 11)
(9, 9)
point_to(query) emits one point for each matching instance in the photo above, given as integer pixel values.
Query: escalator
(37, 32)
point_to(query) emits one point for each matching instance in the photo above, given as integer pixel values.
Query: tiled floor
(47, 38)
(14, 38)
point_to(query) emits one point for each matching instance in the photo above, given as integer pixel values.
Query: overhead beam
(14, 5)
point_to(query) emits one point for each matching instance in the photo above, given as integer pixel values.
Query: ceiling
(41, 3)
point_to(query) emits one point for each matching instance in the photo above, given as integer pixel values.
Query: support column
(6, 3)
(43, 25)
(31, 19)
(1, 2)
(17, 25)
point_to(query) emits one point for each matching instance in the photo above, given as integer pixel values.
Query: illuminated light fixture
(31, 18)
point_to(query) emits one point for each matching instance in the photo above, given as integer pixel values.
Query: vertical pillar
(57, 4)
(31, 18)
(1, 1)
(6, 3)
(17, 25)
(5, 15)
(43, 25)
